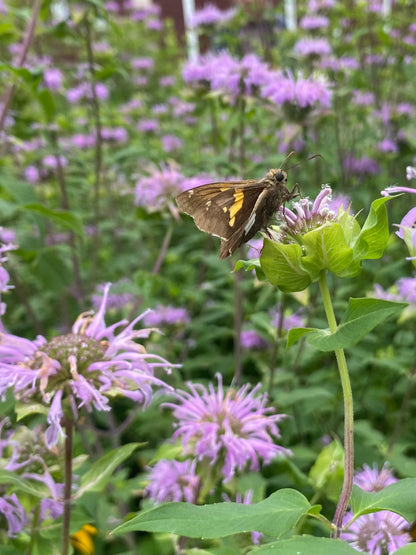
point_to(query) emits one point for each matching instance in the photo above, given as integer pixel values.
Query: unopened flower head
(85, 368)
(231, 430)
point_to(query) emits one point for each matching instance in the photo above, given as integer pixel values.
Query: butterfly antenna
(309, 158)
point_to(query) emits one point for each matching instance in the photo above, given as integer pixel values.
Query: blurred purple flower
(255, 247)
(142, 63)
(300, 92)
(158, 109)
(83, 141)
(85, 368)
(118, 297)
(171, 480)
(312, 47)
(51, 161)
(379, 293)
(311, 22)
(31, 174)
(13, 513)
(410, 173)
(250, 339)
(294, 320)
(361, 166)
(154, 24)
(210, 15)
(52, 78)
(148, 125)
(316, 5)
(167, 81)
(407, 289)
(166, 315)
(339, 201)
(171, 142)
(117, 134)
(231, 429)
(387, 145)
(344, 63)
(363, 98)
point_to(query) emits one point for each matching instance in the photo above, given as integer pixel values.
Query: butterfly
(235, 211)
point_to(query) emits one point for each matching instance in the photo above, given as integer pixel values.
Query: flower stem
(68, 425)
(348, 413)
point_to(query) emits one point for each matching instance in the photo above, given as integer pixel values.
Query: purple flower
(379, 293)
(363, 98)
(14, 513)
(210, 15)
(118, 298)
(376, 533)
(255, 247)
(312, 47)
(171, 142)
(339, 201)
(167, 81)
(407, 289)
(373, 479)
(305, 215)
(83, 141)
(51, 161)
(154, 25)
(303, 93)
(361, 166)
(311, 22)
(142, 63)
(52, 78)
(387, 145)
(289, 321)
(148, 125)
(171, 480)
(166, 315)
(231, 430)
(250, 339)
(84, 368)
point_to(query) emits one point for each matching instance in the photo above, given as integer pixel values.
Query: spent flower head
(84, 368)
(230, 429)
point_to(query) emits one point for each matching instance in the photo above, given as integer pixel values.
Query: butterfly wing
(221, 208)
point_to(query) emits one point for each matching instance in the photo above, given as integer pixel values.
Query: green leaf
(398, 497)
(306, 545)
(374, 235)
(51, 266)
(11, 479)
(282, 266)
(326, 249)
(409, 549)
(361, 317)
(97, 477)
(23, 409)
(273, 516)
(328, 470)
(46, 100)
(62, 218)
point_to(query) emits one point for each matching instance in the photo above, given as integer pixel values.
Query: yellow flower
(82, 540)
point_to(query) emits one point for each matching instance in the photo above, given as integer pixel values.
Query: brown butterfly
(237, 210)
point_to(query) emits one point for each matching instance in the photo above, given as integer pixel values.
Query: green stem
(348, 413)
(68, 425)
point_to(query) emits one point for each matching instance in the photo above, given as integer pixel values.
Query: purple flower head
(210, 15)
(376, 533)
(148, 125)
(52, 78)
(387, 145)
(167, 81)
(231, 430)
(13, 513)
(288, 321)
(306, 215)
(363, 98)
(171, 142)
(51, 161)
(228, 75)
(407, 289)
(142, 63)
(118, 298)
(85, 368)
(361, 166)
(255, 247)
(166, 315)
(373, 479)
(171, 480)
(379, 293)
(250, 339)
(300, 93)
(312, 47)
(312, 22)
(339, 201)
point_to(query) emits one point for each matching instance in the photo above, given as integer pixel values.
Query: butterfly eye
(280, 176)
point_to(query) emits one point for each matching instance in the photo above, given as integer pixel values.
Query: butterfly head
(277, 176)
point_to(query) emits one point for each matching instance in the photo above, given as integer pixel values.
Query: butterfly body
(236, 210)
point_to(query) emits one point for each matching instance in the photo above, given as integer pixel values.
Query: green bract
(337, 246)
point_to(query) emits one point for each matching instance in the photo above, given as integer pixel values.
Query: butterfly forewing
(220, 208)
